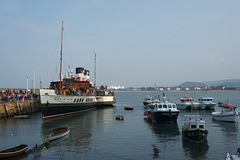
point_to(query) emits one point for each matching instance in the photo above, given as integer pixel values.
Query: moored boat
(71, 95)
(187, 103)
(58, 133)
(194, 129)
(147, 100)
(163, 111)
(227, 114)
(12, 152)
(233, 157)
(128, 108)
(206, 103)
(119, 117)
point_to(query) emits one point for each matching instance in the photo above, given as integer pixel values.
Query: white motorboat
(227, 114)
(187, 103)
(234, 157)
(206, 103)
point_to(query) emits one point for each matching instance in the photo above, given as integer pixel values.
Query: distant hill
(192, 84)
(227, 83)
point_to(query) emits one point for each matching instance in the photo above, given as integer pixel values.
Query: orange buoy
(229, 105)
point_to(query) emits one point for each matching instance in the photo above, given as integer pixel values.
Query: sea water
(97, 134)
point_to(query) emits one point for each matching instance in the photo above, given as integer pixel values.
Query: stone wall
(15, 108)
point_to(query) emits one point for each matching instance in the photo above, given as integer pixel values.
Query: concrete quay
(10, 109)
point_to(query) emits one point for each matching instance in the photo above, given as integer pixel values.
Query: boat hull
(12, 152)
(58, 133)
(225, 116)
(165, 116)
(61, 105)
(197, 136)
(207, 106)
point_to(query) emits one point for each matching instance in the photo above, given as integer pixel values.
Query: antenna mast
(60, 85)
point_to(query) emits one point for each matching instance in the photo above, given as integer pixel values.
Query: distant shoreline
(186, 91)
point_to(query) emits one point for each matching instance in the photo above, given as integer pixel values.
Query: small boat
(58, 133)
(187, 103)
(147, 100)
(227, 114)
(15, 151)
(233, 157)
(21, 117)
(206, 103)
(194, 129)
(128, 108)
(119, 117)
(163, 111)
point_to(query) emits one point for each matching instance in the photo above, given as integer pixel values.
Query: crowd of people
(9, 95)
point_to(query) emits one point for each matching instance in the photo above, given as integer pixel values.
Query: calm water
(97, 135)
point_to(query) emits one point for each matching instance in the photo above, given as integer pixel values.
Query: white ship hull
(54, 105)
(225, 116)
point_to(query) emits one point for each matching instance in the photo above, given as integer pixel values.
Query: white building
(116, 87)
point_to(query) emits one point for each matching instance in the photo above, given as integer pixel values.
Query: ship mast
(60, 84)
(95, 71)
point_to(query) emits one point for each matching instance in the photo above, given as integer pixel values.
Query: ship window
(169, 106)
(74, 100)
(46, 94)
(160, 106)
(201, 126)
(174, 106)
(164, 106)
(193, 126)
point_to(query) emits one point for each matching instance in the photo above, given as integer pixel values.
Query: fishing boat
(12, 152)
(163, 111)
(206, 103)
(147, 100)
(194, 129)
(233, 157)
(227, 114)
(58, 133)
(187, 103)
(71, 95)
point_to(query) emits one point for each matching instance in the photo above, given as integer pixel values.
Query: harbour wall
(10, 109)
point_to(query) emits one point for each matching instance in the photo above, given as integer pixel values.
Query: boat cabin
(207, 99)
(194, 122)
(186, 100)
(165, 106)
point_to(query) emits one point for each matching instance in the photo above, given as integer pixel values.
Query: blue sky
(138, 43)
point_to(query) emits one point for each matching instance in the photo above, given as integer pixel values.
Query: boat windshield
(169, 106)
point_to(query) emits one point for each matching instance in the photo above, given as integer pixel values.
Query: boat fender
(149, 116)
(145, 113)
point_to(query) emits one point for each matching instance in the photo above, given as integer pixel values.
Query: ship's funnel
(86, 75)
(80, 73)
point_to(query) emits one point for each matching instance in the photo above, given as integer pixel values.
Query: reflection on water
(166, 135)
(82, 127)
(164, 131)
(195, 150)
